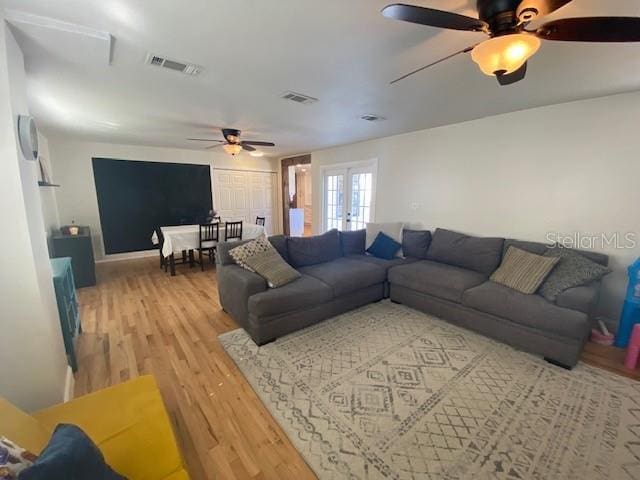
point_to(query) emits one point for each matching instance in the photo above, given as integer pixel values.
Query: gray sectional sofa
(446, 275)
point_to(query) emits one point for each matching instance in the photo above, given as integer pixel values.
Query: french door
(349, 197)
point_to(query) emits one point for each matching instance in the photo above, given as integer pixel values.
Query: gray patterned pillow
(272, 267)
(239, 254)
(573, 270)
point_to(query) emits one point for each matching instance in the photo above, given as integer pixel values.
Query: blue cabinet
(67, 305)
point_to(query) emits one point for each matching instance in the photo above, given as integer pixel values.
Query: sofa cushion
(345, 275)
(531, 247)
(540, 248)
(523, 271)
(279, 242)
(415, 243)
(386, 264)
(584, 298)
(384, 247)
(437, 279)
(353, 243)
(304, 251)
(528, 310)
(302, 293)
(481, 255)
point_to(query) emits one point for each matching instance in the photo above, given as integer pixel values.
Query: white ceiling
(342, 52)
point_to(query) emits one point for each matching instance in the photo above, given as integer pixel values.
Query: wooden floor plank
(139, 320)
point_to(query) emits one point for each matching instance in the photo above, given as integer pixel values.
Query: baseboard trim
(118, 257)
(69, 385)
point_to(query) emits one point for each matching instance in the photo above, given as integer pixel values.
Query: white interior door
(348, 197)
(244, 195)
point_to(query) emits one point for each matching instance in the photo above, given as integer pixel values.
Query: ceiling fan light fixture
(505, 54)
(232, 148)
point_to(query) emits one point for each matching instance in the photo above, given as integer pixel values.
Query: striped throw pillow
(272, 267)
(523, 271)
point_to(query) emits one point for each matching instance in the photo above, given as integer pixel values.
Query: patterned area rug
(386, 392)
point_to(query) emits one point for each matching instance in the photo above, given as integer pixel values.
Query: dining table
(185, 238)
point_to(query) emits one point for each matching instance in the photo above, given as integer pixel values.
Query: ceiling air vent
(298, 98)
(372, 118)
(186, 68)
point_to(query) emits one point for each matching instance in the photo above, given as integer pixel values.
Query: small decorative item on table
(72, 229)
(633, 350)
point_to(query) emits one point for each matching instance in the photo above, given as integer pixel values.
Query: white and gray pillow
(242, 252)
(573, 270)
(523, 271)
(272, 267)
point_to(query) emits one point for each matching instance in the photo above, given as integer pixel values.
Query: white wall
(565, 168)
(48, 199)
(32, 356)
(72, 169)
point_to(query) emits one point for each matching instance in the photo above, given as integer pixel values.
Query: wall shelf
(47, 184)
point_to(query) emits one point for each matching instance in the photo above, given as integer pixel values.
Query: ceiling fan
(505, 54)
(232, 143)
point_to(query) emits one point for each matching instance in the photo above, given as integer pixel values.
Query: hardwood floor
(139, 320)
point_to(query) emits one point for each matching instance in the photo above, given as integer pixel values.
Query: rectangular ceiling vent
(186, 68)
(298, 98)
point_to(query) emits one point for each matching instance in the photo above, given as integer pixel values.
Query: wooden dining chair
(261, 221)
(233, 231)
(208, 241)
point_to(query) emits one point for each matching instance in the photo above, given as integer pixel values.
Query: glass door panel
(348, 196)
(334, 200)
(361, 194)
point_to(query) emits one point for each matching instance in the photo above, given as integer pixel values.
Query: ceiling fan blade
(258, 144)
(542, 7)
(513, 77)
(215, 146)
(248, 148)
(592, 29)
(466, 50)
(433, 18)
(204, 140)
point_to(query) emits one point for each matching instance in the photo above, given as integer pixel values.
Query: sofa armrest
(235, 286)
(583, 299)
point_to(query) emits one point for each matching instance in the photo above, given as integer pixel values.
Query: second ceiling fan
(505, 54)
(232, 143)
